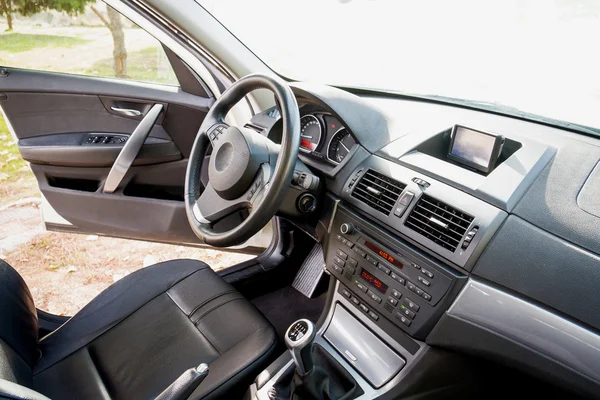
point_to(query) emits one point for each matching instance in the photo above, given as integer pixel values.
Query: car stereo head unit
(475, 149)
(385, 279)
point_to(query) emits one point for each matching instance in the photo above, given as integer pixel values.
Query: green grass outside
(10, 159)
(142, 66)
(21, 42)
(16, 179)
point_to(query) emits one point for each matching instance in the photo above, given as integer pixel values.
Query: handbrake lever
(185, 385)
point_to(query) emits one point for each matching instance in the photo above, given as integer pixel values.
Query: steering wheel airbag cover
(235, 161)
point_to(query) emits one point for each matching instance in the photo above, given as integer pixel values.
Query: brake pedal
(308, 277)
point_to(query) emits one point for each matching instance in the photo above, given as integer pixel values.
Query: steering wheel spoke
(215, 132)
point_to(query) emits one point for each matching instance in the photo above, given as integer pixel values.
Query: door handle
(128, 112)
(131, 149)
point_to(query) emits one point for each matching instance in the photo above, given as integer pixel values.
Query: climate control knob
(346, 228)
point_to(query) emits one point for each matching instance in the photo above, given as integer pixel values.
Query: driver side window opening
(95, 40)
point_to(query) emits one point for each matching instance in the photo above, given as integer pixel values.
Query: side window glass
(80, 37)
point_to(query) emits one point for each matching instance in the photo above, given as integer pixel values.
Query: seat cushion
(140, 334)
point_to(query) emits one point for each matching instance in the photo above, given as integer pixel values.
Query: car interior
(415, 249)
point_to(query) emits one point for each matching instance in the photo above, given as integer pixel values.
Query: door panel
(54, 116)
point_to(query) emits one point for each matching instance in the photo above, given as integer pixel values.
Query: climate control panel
(387, 278)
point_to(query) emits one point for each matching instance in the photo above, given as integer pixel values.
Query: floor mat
(286, 305)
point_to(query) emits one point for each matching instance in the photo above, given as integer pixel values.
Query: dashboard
(404, 219)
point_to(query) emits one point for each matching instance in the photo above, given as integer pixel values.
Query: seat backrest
(18, 328)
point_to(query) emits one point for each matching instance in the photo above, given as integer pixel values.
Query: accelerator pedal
(308, 277)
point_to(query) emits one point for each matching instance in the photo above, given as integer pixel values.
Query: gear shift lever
(298, 339)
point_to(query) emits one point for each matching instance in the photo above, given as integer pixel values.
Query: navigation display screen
(474, 148)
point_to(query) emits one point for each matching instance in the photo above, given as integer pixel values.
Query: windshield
(539, 56)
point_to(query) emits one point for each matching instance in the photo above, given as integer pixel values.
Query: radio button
(403, 319)
(426, 296)
(396, 293)
(406, 311)
(360, 252)
(341, 254)
(398, 278)
(355, 301)
(383, 268)
(349, 244)
(350, 270)
(363, 307)
(419, 291)
(373, 296)
(415, 265)
(352, 262)
(346, 292)
(424, 281)
(338, 269)
(339, 261)
(427, 273)
(410, 304)
(392, 301)
(411, 286)
(373, 316)
(361, 287)
(371, 260)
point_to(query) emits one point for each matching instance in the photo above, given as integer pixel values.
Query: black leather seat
(135, 338)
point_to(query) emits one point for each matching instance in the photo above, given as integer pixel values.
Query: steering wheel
(246, 170)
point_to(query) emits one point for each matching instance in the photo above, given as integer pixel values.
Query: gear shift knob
(298, 339)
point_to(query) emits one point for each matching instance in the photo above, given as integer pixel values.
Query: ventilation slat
(428, 233)
(382, 197)
(441, 209)
(439, 222)
(378, 191)
(425, 219)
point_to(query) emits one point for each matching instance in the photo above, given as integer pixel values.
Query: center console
(398, 288)
(387, 296)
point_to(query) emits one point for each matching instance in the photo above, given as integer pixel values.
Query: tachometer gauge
(311, 131)
(340, 145)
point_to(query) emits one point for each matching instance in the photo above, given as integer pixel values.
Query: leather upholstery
(18, 317)
(143, 332)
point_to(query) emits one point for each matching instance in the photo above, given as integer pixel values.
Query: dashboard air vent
(378, 191)
(439, 222)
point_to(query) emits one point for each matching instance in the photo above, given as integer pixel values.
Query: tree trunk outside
(119, 51)
(6, 10)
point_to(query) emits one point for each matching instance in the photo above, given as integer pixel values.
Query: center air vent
(439, 222)
(378, 191)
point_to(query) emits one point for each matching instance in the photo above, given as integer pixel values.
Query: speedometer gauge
(311, 131)
(340, 145)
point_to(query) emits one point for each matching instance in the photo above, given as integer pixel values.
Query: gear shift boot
(328, 380)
